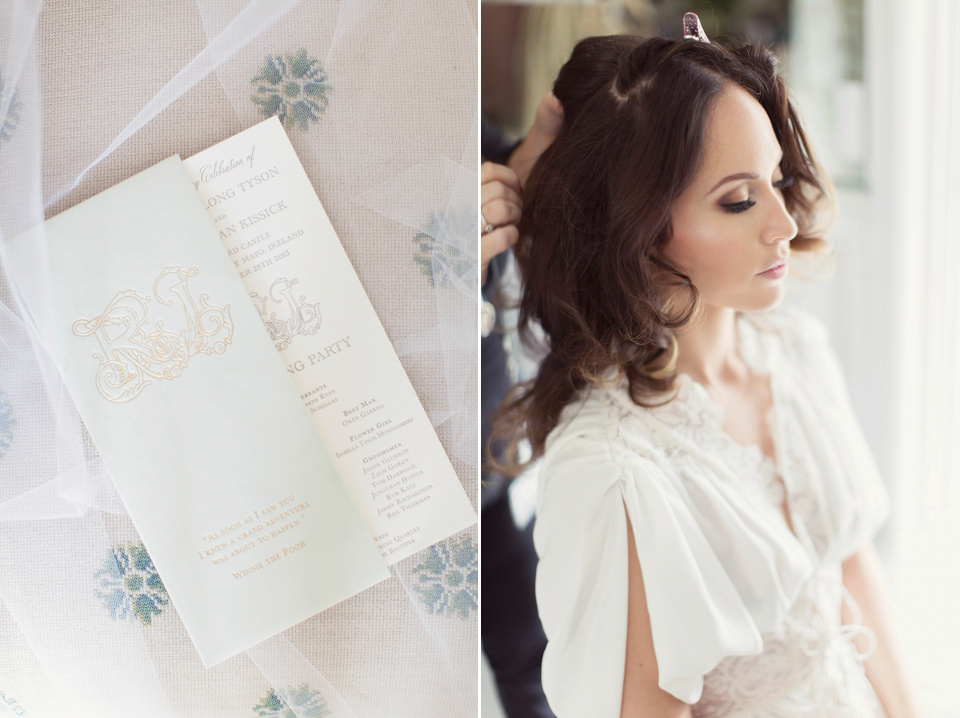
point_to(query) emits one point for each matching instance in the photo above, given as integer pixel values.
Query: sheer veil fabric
(387, 132)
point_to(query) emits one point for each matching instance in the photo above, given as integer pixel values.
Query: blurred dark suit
(513, 639)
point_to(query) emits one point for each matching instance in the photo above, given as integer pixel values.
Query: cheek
(700, 252)
(693, 236)
(714, 260)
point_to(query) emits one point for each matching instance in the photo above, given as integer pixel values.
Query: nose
(780, 223)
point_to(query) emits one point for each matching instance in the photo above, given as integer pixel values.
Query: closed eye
(737, 207)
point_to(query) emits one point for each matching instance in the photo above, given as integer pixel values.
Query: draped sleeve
(588, 486)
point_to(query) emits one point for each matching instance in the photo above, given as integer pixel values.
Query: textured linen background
(93, 92)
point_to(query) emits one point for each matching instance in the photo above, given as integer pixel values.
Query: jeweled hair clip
(692, 29)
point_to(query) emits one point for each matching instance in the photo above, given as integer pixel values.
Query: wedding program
(307, 294)
(212, 452)
(258, 425)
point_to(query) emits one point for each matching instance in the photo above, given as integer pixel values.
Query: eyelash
(738, 207)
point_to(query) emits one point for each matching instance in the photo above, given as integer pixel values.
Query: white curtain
(915, 207)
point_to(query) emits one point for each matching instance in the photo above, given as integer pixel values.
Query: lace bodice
(809, 668)
(744, 607)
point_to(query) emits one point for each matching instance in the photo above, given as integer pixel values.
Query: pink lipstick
(776, 272)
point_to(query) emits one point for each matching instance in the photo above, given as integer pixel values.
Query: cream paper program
(332, 344)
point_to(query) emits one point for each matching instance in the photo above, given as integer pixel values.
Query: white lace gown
(744, 610)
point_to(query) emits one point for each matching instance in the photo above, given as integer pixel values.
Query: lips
(778, 263)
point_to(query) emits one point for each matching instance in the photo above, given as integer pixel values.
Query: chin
(758, 300)
(764, 301)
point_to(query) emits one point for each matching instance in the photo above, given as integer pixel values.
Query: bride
(707, 500)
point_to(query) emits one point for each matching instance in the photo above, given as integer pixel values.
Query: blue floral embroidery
(12, 118)
(443, 248)
(9, 705)
(294, 88)
(308, 702)
(449, 578)
(7, 422)
(130, 584)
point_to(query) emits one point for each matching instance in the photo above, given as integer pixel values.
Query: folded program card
(333, 346)
(212, 451)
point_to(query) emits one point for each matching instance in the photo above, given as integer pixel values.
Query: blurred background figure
(877, 85)
(512, 637)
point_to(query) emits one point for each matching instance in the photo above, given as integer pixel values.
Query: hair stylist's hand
(546, 126)
(500, 205)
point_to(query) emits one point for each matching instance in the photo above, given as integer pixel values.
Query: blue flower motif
(9, 705)
(294, 88)
(446, 249)
(12, 117)
(449, 577)
(308, 702)
(131, 586)
(7, 422)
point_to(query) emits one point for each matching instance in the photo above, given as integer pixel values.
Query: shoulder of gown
(588, 487)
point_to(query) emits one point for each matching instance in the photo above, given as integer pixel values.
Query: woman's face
(731, 224)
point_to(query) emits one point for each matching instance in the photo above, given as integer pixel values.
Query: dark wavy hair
(597, 209)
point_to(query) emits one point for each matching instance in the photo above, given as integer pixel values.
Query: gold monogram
(131, 355)
(304, 318)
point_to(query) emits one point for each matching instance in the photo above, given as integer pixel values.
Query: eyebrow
(737, 176)
(740, 175)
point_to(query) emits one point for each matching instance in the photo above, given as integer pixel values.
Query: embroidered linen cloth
(745, 612)
(379, 101)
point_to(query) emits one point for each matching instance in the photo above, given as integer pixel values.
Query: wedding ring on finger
(487, 227)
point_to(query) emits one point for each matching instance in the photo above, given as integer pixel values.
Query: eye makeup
(737, 207)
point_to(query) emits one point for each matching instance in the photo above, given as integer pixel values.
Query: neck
(708, 349)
